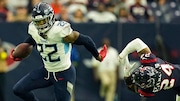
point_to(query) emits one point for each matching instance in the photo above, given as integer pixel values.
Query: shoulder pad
(64, 28)
(31, 28)
(62, 24)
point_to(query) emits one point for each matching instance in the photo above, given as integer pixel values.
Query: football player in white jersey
(54, 41)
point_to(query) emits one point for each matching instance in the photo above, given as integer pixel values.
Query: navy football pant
(63, 84)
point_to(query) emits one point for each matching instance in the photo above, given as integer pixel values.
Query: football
(22, 50)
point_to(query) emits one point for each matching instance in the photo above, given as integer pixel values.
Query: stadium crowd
(98, 11)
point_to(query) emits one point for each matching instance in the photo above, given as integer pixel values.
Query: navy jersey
(169, 78)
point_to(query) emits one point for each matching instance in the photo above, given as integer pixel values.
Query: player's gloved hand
(13, 58)
(103, 52)
(128, 67)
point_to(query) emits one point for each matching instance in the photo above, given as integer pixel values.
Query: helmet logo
(46, 11)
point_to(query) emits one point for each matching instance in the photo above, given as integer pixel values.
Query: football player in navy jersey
(53, 40)
(152, 75)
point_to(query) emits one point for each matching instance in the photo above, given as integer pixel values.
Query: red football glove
(13, 58)
(103, 52)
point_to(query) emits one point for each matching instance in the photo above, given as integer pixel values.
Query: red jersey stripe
(149, 60)
(145, 94)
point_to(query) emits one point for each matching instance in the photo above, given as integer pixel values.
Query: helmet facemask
(44, 24)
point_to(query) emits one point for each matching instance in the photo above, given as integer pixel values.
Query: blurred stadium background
(155, 21)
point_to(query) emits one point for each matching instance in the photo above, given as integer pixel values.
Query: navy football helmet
(43, 17)
(146, 77)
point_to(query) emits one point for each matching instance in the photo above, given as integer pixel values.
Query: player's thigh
(33, 80)
(64, 86)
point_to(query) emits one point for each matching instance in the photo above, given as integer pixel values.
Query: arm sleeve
(88, 44)
(30, 40)
(135, 45)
